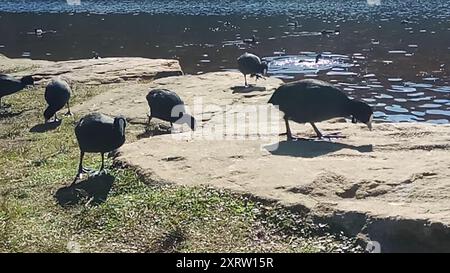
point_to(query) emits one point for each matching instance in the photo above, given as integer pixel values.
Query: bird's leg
(288, 130)
(102, 168)
(321, 136)
(69, 113)
(103, 162)
(318, 133)
(149, 118)
(80, 168)
(245, 79)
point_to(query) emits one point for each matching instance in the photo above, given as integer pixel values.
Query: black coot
(314, 101)
(168, 106)
(57, 94)
(251, 64)
(98, 133)
(10, 85)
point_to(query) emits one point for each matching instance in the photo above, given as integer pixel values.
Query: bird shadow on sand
(169, 242)
(248, 89)
(94, 191)
(154, 131)
(310, 149)
(45, 127)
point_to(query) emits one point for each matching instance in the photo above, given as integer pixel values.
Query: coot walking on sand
(57, 94)
(168, 106)
(10, 85)
(251, 64)
(98, 133)
(314, 101)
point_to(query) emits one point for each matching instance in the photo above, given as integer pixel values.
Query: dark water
(394, 55)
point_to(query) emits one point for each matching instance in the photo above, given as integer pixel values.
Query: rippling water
(392, 54)
(331, 8)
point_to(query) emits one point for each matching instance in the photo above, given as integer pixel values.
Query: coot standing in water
(310, 101)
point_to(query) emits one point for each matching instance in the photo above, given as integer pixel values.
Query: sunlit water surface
(392, 54)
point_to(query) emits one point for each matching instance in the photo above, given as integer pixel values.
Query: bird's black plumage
(250, 64)
(98, 133)
(10, 85)
(168, 106)
(57, 94)
(314, 101)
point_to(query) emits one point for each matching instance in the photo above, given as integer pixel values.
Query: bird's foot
(68, 114)
(259, 76)
(87, 171)
(84, 171)
(77, 177)
(297, 138)
(99, 172)
(331, 136)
